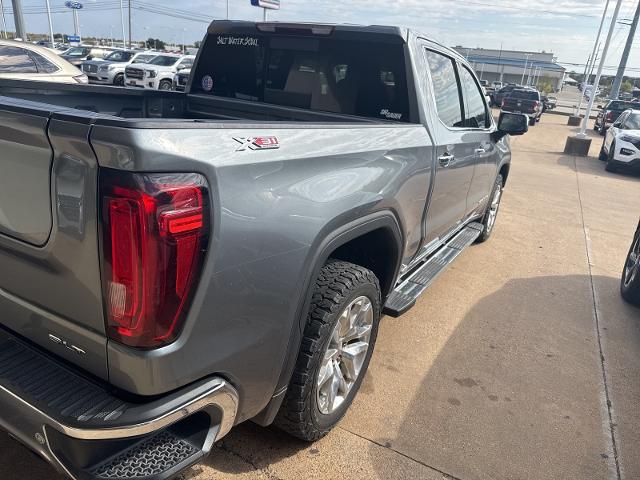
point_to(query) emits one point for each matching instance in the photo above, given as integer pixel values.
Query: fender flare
(318, 256)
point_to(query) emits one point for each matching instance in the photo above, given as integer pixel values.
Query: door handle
(446, 160)
(480, 151)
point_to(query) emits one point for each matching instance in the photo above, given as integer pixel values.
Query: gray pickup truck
(173, 264)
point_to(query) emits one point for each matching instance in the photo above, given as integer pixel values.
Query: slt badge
(257, 143)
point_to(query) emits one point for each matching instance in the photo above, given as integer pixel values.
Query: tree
(545, 85)
(197, 44)
(626, 87)
(155, 43)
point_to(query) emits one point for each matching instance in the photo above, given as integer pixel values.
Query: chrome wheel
(493, 208)
(633, 263)
(345, 355)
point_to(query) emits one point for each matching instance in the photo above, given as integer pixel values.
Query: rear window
(525, 95)
(319, 74)
(164, 61)
(619, 106)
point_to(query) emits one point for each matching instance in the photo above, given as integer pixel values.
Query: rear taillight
(503, 102)
(536, 104)
(155, 233)
(609, 116)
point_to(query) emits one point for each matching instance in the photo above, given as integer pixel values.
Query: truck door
(454, 151)
(479, 125)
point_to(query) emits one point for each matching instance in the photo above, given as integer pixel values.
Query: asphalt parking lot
(520, 362)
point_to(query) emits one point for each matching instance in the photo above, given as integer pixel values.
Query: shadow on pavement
(515, 392)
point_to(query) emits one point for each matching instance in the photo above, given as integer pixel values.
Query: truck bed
(113, 104)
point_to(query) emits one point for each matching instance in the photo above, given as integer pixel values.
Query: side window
(445, 88)
(476, 115)
(16, 60)
(44, 65)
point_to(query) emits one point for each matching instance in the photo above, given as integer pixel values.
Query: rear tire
(326, 355)
(630, 283)
(603, 155)
(491, 215)
(118, 80)
(532, 121)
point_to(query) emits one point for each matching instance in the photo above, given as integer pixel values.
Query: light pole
(596, 47)
(184, 47)
(18, 20)
(129, 24)
(227, 9)
(50, 25)
(4, 21)
(111, 34)
(615, 90)
(526, 61)
(124, 35)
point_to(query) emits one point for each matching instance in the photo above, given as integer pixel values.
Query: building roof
(514, 62)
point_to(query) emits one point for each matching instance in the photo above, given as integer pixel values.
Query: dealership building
(509, 66)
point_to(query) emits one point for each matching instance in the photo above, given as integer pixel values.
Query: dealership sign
(73, 5)
(270, 4)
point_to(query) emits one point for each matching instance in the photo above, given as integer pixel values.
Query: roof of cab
(320, 29)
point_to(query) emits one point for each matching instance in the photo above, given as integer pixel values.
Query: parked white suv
(621, 145)
(110, 71)
(158, 73)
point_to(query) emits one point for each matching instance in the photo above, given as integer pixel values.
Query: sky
(566, 27)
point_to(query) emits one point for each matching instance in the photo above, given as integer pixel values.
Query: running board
(404, 295)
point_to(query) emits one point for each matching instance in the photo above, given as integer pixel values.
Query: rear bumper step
(404, 296)
(87, 431)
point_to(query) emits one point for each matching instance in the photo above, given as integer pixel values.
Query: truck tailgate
(50, 288)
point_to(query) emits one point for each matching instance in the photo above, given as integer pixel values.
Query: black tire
(338, 284)
(610, 166)
(165, 85)
(532, 121)
(118, 80)
(630, 282)
(602, 156)
(602, 131)
(487, 223)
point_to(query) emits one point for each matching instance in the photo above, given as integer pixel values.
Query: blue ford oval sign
(73, 5)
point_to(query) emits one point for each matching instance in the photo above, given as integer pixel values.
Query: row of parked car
(95, 64)
(140, 69)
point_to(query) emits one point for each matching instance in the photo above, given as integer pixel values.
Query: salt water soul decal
(207, 83)
(238, 41)
(257, 143)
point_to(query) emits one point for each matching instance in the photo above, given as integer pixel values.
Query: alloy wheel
(632, 266)
(345, 355)
(493, 208)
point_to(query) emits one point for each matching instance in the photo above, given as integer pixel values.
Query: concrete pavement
(520, 362)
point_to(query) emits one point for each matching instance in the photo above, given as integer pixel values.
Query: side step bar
(404, 295)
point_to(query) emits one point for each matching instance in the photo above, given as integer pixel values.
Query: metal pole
(264, 16)
(482, 71)
(526, 61)
(500, 63)
(129, 23)
(50, 25)
(124, 35)
(18, 20)
(615, 90)
(4, 21)
(593, 54)
(227, 9)
(75, 22)
(596, 82)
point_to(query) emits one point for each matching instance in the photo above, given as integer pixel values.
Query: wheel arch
(351, 242)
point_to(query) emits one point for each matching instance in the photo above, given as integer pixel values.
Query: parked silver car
(110, 70)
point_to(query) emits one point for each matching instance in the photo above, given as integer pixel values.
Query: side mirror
(89, 57)
(512, 124)
(599, 107)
